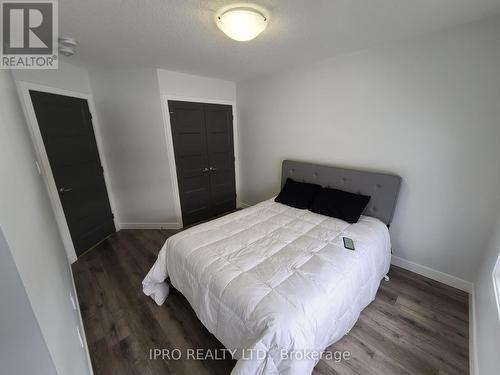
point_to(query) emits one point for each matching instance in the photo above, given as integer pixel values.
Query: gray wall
(487, 324)
(29, 226)
(22, 348)
(427, 109)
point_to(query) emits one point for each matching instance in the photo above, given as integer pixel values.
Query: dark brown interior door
(204, 157)
(68, 135)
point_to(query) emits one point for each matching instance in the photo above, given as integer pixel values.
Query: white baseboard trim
(433, 274)
(473, 364)
(242, 204)
(150, 225)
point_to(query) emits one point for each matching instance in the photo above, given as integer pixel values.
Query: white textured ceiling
(181, 34)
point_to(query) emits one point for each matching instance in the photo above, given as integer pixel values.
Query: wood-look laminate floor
(414, 326)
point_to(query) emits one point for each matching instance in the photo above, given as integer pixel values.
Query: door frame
(170, 145)
(42, 160)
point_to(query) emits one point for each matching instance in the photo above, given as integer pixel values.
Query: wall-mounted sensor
(67, 46)
(66, 51)
(68, 42)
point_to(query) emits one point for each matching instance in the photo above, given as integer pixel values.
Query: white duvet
(273, 282)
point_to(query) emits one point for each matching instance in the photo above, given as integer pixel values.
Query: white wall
(187, 85)
(129, 108)
(486, 316)
(427, 109)
(19, 331)
(67, 77)
(27, 220)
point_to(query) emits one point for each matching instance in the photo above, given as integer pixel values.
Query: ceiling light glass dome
(242, 23)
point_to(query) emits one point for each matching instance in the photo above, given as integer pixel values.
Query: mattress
(273, 282)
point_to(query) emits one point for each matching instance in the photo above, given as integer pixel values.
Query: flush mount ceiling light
(242, 23)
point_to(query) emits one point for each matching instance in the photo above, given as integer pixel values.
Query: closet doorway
(202, 136)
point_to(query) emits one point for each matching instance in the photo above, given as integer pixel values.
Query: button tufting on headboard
(383, 188)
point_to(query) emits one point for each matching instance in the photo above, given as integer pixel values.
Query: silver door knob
(205, 170)
(64, 190)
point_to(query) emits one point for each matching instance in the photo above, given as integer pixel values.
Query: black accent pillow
(340, 204)
(297, 194)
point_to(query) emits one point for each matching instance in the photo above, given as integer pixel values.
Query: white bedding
(274, 281)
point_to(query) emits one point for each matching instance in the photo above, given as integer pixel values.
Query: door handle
(213, 168)
(205, 170)
(65, 190)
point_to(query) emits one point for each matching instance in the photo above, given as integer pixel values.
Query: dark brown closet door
(204, 157)
(190, 148)
(220, 149)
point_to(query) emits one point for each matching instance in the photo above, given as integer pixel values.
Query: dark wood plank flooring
(414, 326)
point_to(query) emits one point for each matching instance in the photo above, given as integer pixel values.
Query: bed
(274, 283)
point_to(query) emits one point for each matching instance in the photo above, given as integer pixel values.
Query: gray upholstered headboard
(383, 188)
